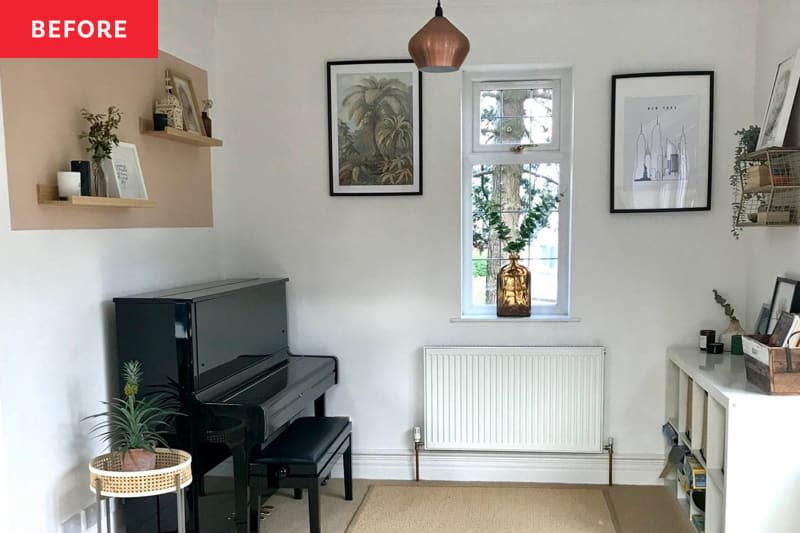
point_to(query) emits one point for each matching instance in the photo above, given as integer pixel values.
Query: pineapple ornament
(170, 105)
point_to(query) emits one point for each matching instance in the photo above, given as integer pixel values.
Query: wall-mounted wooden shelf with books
(48, 195)
(181, 136)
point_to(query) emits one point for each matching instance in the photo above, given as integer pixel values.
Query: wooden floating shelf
(181, 136)
(48, 195)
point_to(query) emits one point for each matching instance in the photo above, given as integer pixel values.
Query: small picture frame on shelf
(785, 299)
(124, 173)
(762, 324)
(184, 90)
(781, 103)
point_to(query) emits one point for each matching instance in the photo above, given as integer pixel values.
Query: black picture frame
(783, 301)
(379, 190)
(615, 157)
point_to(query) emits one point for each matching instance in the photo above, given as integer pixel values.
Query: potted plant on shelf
(133, 426)
(748, 140)
(514, 280)
(732, 336)
(102, 139)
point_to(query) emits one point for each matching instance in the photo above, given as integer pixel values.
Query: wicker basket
(117, 484)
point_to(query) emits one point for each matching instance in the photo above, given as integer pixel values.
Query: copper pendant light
(438, 46)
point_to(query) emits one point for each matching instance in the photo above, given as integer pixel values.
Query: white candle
(69, 184)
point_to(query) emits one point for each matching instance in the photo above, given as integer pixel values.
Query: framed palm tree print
(375, 127)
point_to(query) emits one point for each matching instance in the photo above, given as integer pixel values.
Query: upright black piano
(219, 353)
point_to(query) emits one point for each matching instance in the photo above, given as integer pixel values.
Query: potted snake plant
(133, 425)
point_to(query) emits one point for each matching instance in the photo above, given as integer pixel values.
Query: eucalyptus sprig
(729, 311)
(102, 135)
(536, 217)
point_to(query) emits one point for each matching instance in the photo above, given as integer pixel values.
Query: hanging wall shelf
(186, 137)
(48, 195)
(770, 191)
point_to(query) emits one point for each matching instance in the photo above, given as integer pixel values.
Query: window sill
(490, 319)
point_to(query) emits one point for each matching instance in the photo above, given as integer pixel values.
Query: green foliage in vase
(748, 140)
(729, 311)
(102, 135)
(537, 216)
(131, 422)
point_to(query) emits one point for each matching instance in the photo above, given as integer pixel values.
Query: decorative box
(772, 369)
(758, 176)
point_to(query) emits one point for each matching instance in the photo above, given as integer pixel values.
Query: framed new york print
(661, 141)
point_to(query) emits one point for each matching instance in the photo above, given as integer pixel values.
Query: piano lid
(200, 291)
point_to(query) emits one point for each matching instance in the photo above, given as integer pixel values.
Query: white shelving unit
(747, 441)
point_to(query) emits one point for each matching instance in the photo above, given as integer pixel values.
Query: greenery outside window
(516, 141)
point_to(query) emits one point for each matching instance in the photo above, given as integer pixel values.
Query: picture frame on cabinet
(781, 103)
(785, 299)
(661, 141)
(375, 127)
(123, 170)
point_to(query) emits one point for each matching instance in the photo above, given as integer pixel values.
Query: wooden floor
(635, 509)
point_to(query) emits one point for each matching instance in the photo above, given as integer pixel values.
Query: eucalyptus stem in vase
(514, 280)
(102, 138)
(732, 336)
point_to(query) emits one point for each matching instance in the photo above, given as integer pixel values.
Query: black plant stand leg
(298, 494)
(348, 473)
(313, 508)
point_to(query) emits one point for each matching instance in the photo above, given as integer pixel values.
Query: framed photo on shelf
(184, 90)
(785, 299)
(375, 128)
(661, 141)
(124, 173)
(781, 103)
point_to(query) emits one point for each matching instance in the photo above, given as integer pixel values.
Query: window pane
(516, 188)
(516, 116)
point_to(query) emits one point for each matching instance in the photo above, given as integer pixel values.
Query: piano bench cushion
(305, 447)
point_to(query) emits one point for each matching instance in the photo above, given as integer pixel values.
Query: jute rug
(425, 509)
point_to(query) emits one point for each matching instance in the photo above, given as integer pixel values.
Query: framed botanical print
(661, 140)
(375, 127)
(781, 103)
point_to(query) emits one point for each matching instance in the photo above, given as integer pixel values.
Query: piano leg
(241, 481)
(298, 494)
(319, 406)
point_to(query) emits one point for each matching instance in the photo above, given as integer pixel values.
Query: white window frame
(559, 151)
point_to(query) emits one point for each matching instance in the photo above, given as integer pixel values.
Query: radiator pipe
(417, 445)
(610, 449)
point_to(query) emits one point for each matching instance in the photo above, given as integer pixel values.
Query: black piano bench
(301, 458)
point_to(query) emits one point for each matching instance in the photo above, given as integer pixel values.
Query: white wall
(56, 323)
(772, 252)
(375, 279)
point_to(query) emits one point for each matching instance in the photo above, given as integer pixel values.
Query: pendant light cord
(439, 10)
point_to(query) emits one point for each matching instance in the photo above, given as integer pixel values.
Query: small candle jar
(715, 347)
(707, 336)
(69, 184)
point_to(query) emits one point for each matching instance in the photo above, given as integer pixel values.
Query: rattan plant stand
(173, 473)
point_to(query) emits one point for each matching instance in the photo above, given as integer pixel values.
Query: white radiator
(521, 398)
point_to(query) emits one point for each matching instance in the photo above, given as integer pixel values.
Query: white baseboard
(639, 469)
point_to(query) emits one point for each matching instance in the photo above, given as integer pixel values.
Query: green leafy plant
(102, 135)
(536, 217)
(748, 140)
(729, 311)
(133, 423)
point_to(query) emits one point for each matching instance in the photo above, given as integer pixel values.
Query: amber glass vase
(514, 289)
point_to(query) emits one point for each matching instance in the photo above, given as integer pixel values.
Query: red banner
(78, 28)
